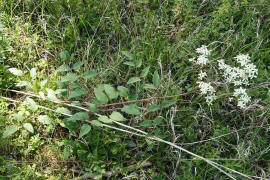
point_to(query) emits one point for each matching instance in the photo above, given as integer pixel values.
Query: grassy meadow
(107, 89)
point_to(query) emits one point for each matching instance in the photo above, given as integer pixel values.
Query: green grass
(101, 37)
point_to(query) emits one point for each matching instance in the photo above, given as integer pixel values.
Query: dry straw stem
(145, 100)
(141, 133)
(105, 105)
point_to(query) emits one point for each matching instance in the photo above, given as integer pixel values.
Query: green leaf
(44, 119)
(168, 103)
(92, 107)
(156, 79)
(131, 109)
(158, 120)
(190, 89)
(18, 117)
(85, 129)
(145, 71)
(138, 63)
(33, 73)
(116, 116)
(105, 119)
(41, 95)
(63, 110)
(23, 83)
(146, 123)
(79, 116)
(133, 80)
(75, 85)
(90, 74)
(128, 54)
(15, 71)
(122, 91)
(28, 127)
(153, 108)
(101, 96)
(60, 91)
(51, 95)
(149, 86)
(66, 153)
(96, 123)
(43, 83)
(110, 91)
(129, 63)
(77, 93)
(70, 77)
(77, 65)
(100, 87)
(35, 85)
(130, 143)
(63, 68)
(71, 125)
(10, 130)
(31, 104)
(64, 55)
(1, 26)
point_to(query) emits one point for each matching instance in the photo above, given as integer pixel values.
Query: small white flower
(236, 76)
(239, 76)
(243, 98)
(251, 70)
(208, 90)
(239, 91)
(221, 64)
(203, 51)
(243, 101)
(202, 60)
(205, 87)
(243, 59)
(202, 75)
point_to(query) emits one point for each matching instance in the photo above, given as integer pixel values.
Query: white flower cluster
(205, 88)
(202, 75)
(238, 76)
(208, 91)
(243, 98)
(203, 51)
(202, 58)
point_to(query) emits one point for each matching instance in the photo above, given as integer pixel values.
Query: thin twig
(126, 126)
(144, 100)
(105, 105)
(32, 95)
